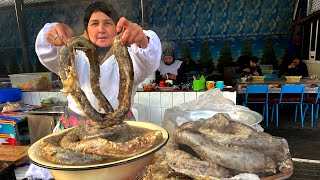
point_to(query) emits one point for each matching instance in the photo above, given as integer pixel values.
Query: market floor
(304, 142)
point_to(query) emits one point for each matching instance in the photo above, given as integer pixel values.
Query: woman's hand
(169, 76)
(246, 70)
(292, 65)
(172, 76)
(59, 34)
(131, 33)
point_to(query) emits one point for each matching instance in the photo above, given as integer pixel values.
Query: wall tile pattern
(150, 106)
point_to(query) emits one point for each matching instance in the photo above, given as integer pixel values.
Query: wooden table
(15, 154)
(11, 157)
(311, 86)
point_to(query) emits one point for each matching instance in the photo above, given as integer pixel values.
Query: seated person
(187, 66)
(168, 68)
(253, 69)
(242, 62)
(296, 68)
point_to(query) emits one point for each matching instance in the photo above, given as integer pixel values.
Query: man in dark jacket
(253, 69)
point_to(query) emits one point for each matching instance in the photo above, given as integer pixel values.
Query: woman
(169, 67)
(297, 68)
(102, 25)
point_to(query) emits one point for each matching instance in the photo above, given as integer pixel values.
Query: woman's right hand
(169, 76)
(292, 65)
(59, 34)
(246, 70)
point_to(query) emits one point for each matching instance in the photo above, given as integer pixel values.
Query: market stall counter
(147, 105)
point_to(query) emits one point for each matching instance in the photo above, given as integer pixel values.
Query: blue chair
(312, 101)
(263, 90)
(270, 76)
(289, 89)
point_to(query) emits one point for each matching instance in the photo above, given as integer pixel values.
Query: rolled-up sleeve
(47, 53)
(146, 61)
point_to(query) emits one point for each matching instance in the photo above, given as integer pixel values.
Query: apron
(71, 119)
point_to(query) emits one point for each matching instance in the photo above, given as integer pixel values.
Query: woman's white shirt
(171, 69)
(145, 62)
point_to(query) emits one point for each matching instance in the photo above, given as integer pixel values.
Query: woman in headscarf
(102, 24)
(169, 67)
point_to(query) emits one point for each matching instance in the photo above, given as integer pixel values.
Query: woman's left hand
(131, 33)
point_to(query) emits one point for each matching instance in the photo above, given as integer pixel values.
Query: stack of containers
(7, 126)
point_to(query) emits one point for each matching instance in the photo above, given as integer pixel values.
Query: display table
(15, 154)
(311, 86)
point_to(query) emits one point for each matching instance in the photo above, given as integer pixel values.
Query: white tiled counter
(152, 105)
(147, 106)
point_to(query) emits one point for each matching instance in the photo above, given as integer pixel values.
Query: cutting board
(15, 154)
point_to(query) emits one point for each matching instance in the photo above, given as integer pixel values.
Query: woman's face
(296, 61)
(168, 59)
(101, 29)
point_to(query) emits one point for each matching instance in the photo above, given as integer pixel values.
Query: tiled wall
(34, 98)
(147, 106)
(154, 104)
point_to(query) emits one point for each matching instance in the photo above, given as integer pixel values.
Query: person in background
(102, 24)
(296, 68)
(242, 62)
(169, 67)
(253, 69)
(187, 66)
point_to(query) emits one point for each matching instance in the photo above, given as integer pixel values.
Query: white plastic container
(32, 81)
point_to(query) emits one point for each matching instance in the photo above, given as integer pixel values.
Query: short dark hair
(100, 6)
(254, 59)
(296, 57)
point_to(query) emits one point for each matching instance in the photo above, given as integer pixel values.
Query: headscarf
(168, 52)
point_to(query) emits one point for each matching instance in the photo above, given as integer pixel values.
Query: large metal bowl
(118, 170)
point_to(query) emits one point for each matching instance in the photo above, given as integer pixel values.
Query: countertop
(57, 108)
(230, 89)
